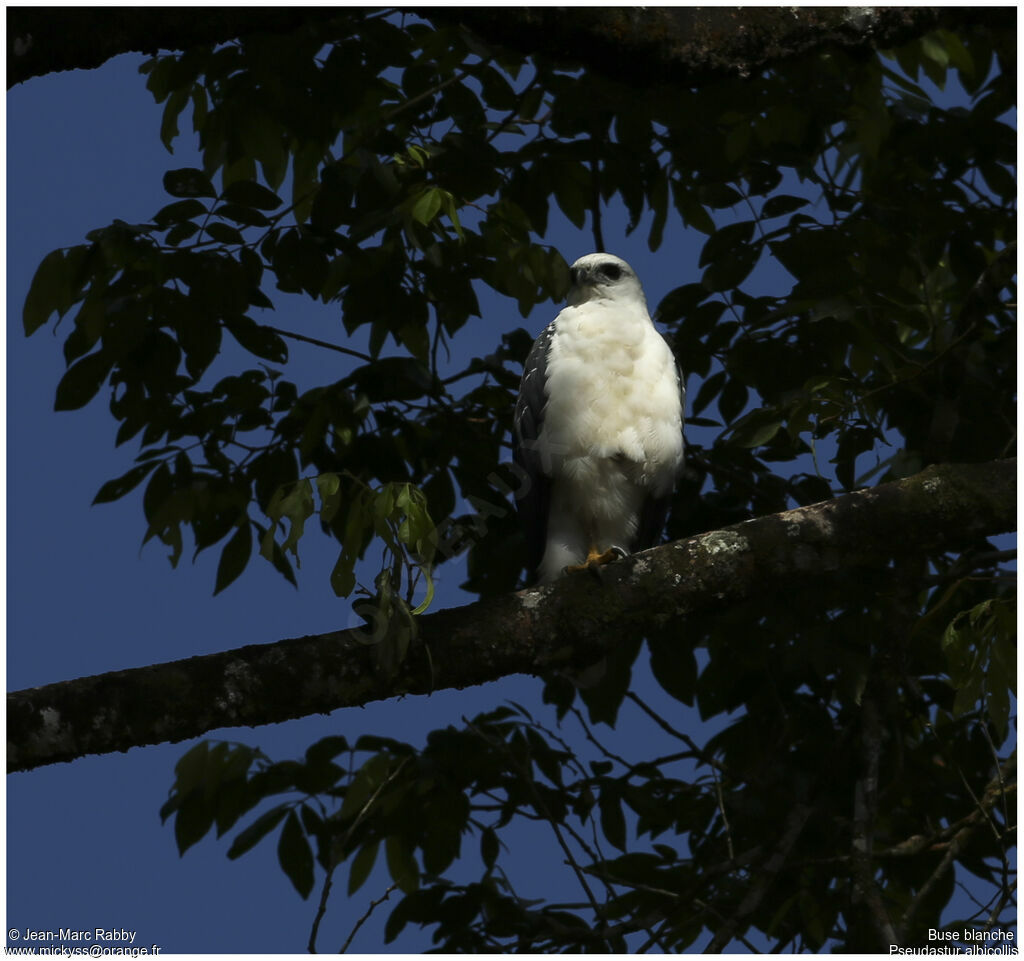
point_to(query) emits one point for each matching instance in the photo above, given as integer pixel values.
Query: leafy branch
(534, 631)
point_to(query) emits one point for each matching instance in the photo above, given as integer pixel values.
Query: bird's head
(603, 277)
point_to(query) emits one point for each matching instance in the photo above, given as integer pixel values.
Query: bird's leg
(606, 557)
(596, 559)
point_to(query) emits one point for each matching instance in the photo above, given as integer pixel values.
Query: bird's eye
(611, 271)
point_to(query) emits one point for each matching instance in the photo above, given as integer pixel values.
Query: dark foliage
(861, 735)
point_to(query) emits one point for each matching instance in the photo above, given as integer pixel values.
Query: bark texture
(43, 40)
(648, 45)
(569, 623)
(641, 45)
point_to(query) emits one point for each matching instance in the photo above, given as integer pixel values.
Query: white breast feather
(612, 428)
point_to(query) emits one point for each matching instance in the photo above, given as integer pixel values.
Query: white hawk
(598, 427)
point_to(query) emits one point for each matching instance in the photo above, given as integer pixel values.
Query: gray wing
(534, 495)
(654, 511)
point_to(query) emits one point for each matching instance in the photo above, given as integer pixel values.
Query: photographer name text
(97, 935)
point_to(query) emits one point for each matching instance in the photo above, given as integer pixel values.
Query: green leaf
(191, 768)
(362, 865)
(997, 702)
(725, 242)
(733, 399)
(453, 214)
(199, 336)
(658, 199)
(613, 821)
(276, 556)
(674, 668)
(326, 749)
(934, 49)
(257, 339)
(416, 337)
(731, 256)
(176, 102)
(200, 107)
(328, 486)
(691, 209)
(179, 211)
(343, 577)
(193, 820)
(256, 831)
(571, 183)
(401, 863)
(1000, 180)
(180, 232)
(709, 390)
(234, 557)
(782, 204)
(301, 264)
(246, 216)
(604, 698)
(188, 182)
(113, 489)
(305, 163)
(82, 381)
(442, 843)
(295, 501)
(368, 778)
(232, 797)
(295, 855)
(44, 294)
(428, 597)
(755, 431)
(248, 193)
(489, 847)
(224, 234)
(392, 378)
(427, 205)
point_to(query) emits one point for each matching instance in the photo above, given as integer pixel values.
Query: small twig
(725, 818)
(702, 756)
(320, 343)
(900, 381)
(438, 341)
(437, 88)
(794, 826)
(1005, 898)
(321, 910)
(704, 906)
(952, 850)
(373, 907)
(513, 114)
(542, 809)
(967, 893)
(593, 740)
(991, 280)
(335, 861)
(999, 835)
(595, 193)
(995, 791)
(865, 806)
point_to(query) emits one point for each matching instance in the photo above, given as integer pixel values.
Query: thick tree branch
(641, 45)
(570, 622)
(679, 44)
(43, 40)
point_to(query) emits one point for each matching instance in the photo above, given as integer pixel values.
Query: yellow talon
(595, 559)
